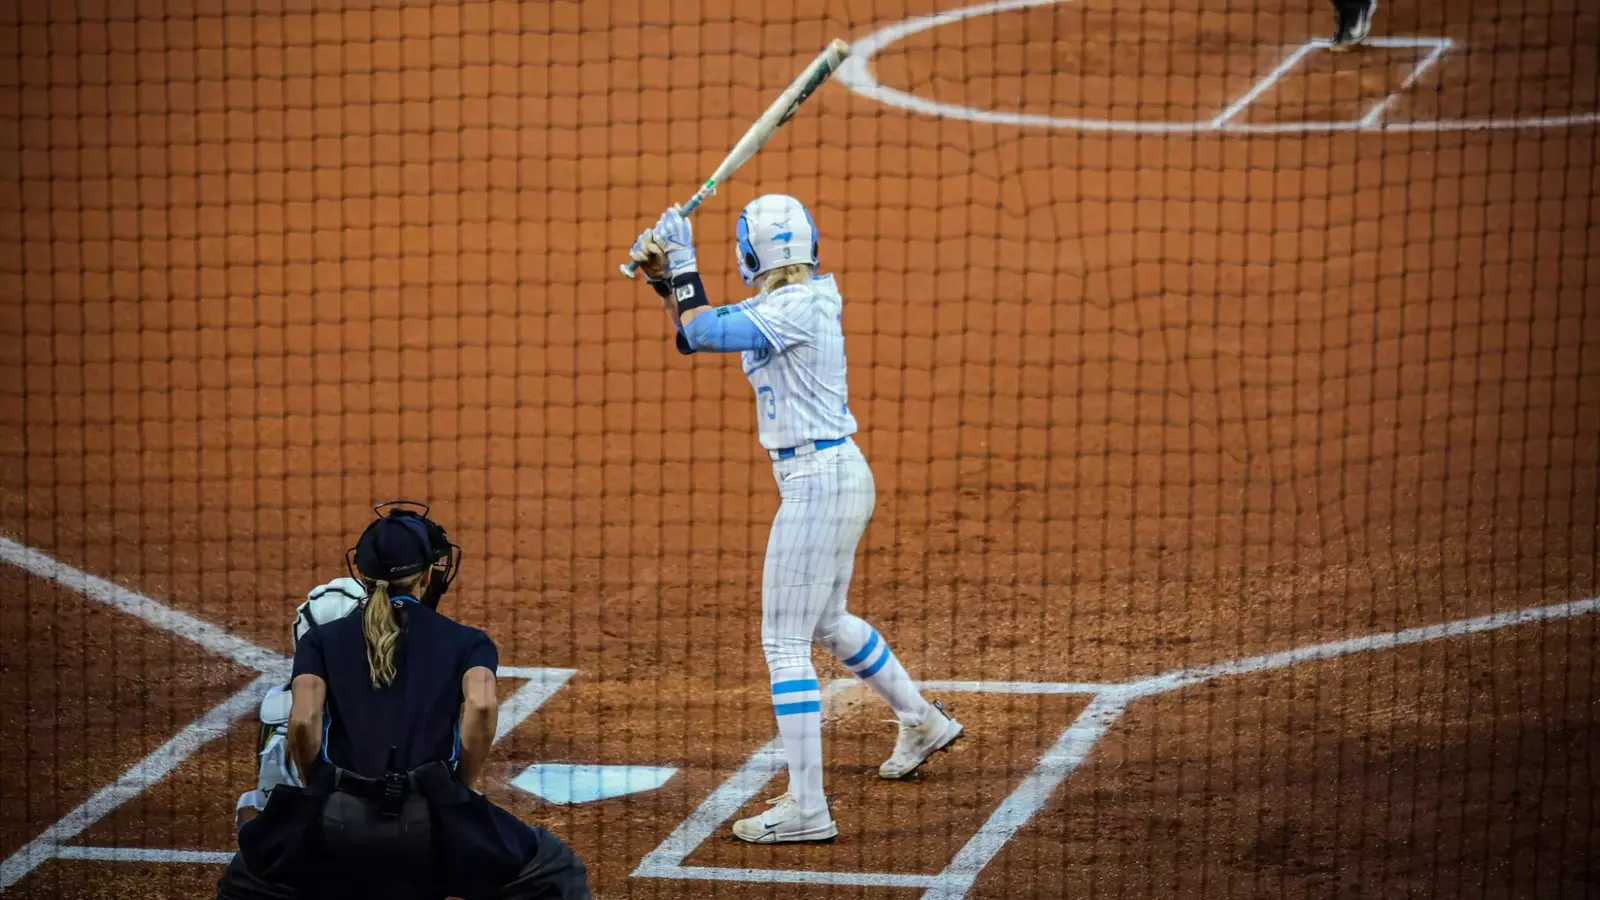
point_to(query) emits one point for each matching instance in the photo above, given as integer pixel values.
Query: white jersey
(800, 385)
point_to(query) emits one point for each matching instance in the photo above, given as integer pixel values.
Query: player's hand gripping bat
(781, 111)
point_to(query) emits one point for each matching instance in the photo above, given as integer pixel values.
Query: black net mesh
(1233, 405)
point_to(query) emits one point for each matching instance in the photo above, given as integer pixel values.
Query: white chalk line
(514, 710)
(1373, 116)
(541, 684)
(1070, 749)
(1262, 85)
(1159, 684)
(793, 876)
(1019, 807)
(140, 776)
(222, 643)
(857, 75)
(145, 855)
(1019, 687)
(665, 861)
(739, 788)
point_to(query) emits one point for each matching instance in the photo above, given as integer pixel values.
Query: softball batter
(792, 347)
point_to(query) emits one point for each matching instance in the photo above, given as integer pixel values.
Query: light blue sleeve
(725, 329)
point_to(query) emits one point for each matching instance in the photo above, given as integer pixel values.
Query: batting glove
(650, 255)
(676, 235)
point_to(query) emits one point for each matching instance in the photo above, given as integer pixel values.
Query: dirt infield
(1140, 396)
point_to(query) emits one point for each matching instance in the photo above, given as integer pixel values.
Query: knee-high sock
(797, 702)
(865, 652)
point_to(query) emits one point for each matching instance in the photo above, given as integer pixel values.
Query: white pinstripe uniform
(828, 494)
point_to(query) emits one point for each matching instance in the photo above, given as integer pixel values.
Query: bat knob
(628, 269)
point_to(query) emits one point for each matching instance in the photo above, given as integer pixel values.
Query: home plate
(569, 783)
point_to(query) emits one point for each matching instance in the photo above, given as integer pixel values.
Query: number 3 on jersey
(767, 401)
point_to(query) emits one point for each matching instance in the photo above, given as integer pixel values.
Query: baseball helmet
(774, 230)
(401, 543)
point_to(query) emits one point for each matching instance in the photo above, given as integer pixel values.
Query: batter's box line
(1071, 747)
(539, 685)
(1438, 46)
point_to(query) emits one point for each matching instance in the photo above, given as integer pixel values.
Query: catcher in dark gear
(392, 718)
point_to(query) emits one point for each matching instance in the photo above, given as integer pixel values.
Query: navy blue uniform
(417, 714)
(478, 849)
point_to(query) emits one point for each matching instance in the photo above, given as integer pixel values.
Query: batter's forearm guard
(689, 292)
(663, 289)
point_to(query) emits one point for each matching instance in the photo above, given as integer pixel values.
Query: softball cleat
(784, 823)
(918, 742)
(1353, 27)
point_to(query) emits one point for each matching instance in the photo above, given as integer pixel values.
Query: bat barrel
(776, 115)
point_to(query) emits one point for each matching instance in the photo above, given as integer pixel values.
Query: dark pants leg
(554, 872)
(237, 883)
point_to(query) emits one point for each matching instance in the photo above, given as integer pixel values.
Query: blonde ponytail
(799, 273)
(382, 631)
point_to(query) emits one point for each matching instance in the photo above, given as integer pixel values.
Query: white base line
(1558, 121)
(515, 710)
(145, 855)
(784, 876)
(666, 859)
(1371, 119)
(1158, 684)
(1019, 807)
(1018, 687)
(207, 635)
(1262, 86)
(1063, 757)
(157, 765)
(541, 686)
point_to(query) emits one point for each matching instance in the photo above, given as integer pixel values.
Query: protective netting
(1177, 341)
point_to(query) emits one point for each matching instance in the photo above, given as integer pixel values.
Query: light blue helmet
(774, 231)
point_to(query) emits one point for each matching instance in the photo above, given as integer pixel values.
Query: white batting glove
(650, 255)
(677, 237)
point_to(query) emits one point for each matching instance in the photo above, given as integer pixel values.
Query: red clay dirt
(1135, 402)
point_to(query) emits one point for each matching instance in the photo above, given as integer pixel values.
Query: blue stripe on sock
(799, 684)
(872, 643)
(873, 669)
(794, 709)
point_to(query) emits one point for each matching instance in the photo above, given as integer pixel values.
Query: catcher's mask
(403, 542)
